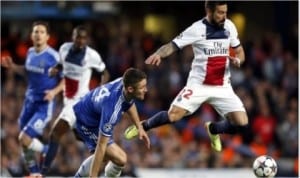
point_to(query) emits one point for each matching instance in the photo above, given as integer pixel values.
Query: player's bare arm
(133, 114)
(7, 62)
(50, 94)
(239, 51)
(164, 51)
(53, 71)
(99, 155)
(105, 77)
(239, 56)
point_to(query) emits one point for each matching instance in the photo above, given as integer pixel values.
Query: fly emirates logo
(217, 49)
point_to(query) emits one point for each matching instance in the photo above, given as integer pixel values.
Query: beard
(218, 24)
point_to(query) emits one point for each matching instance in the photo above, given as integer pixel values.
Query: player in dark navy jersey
(98, 112)
(41, 90)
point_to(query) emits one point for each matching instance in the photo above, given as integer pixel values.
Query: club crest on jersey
(107, 127)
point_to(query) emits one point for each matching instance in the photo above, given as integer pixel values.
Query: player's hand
(53, 71)
(235, 61)
(144, 136)
(6, 61)
(154, 59)
(49, 95)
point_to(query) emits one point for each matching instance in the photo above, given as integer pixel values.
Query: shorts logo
(107, 127)
(39, 124)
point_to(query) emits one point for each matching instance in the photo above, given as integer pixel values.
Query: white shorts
(222, 98)
(67, 113)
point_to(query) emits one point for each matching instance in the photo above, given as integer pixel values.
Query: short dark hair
(81, 28)
(211, 4)
(43, 23)
(132, 76)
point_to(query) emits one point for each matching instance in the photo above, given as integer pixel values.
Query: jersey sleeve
(56, 57)
(54, 54)
(234, 40)
(188, 36)
(62, 50)
(96, 61)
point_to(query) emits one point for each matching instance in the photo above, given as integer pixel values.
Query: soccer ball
(264, 166)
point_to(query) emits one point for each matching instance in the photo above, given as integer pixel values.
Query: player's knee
(243, 120)
(59, 130)
(54, 136)
(24, 139)
(122, 160)
(238, 118)
(175, 114)
(21, 138)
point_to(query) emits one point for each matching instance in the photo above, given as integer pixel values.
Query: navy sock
(52, 150)
(223, 126)
(34, 168)
(160, 118)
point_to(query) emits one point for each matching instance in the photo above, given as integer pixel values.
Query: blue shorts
(89, 135)
(35, 116)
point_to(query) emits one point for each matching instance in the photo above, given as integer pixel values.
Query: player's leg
(59, 129)
(174, 114)
(186, 102)
(234, 123)
(159, 119)
(84, 168)
(32, 130)
(89, 136)
(61, 126)
(28, 154)
(231, 108)
(118, 159)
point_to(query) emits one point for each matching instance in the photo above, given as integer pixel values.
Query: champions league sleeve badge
(107, 127)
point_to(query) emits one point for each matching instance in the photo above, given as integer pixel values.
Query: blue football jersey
(102, 107)
(37, 66)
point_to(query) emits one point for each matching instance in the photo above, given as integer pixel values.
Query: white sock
(84, 168)
(113, 170)
(36, 145)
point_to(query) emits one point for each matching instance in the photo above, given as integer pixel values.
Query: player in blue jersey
(41, 90)
(77, 61)
(96, 115)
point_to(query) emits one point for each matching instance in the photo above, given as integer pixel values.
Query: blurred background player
(209, 77)
(77, 61)
(39, 104)
(98, 113)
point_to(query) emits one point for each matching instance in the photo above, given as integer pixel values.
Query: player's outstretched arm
(133, 114)
(7, 62)
(164, 51)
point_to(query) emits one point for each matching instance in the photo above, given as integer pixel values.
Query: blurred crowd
(267, 83)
